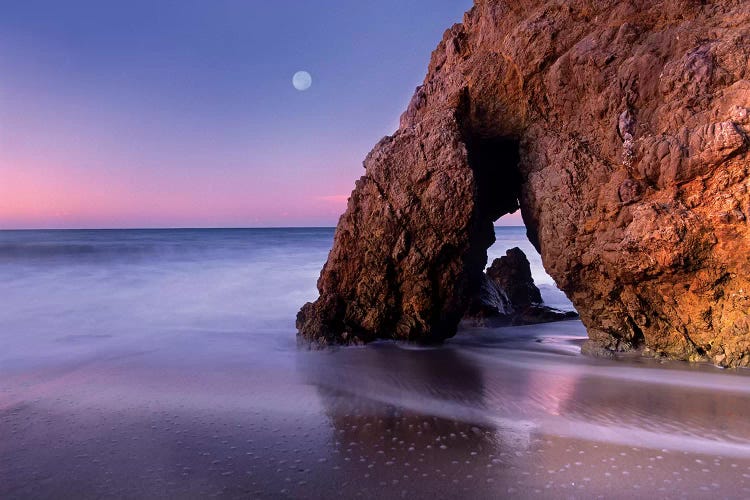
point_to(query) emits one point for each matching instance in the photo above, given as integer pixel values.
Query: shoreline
(511, 411)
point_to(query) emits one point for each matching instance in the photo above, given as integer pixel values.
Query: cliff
(620, 130)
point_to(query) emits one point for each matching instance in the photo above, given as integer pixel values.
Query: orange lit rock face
(620, 128)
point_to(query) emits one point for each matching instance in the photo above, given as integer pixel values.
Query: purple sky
(183, 114)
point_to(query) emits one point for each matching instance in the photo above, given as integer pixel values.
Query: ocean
(164, 363)
(67, 293)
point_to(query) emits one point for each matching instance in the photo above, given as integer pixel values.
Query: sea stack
(507, 295)
(620, 130)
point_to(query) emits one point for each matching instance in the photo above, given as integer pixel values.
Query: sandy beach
(481, 417)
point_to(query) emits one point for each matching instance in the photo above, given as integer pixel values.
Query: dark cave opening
(499, 183)
(494, 162)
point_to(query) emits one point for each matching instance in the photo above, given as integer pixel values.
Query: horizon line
(175, 228)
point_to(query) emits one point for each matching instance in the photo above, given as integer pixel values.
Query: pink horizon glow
(39, 196)
(48, 206)
(35, 194)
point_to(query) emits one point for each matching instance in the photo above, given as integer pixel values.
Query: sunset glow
(132, 124)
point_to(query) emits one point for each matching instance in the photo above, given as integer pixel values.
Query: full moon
(302, 80)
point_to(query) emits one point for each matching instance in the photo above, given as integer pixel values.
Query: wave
(87, 245)
(50, 250)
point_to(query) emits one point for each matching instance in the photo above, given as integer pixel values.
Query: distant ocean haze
(69, 292)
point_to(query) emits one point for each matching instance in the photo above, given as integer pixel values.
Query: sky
(183, 114)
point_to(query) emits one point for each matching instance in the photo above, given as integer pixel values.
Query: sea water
(71, 292)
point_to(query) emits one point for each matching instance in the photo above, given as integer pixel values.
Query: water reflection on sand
(492, 413)
(540, 417)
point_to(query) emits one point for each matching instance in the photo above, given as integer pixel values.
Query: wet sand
(494, 413)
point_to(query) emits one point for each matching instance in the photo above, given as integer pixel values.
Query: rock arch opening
(515, 284)
(494, 164)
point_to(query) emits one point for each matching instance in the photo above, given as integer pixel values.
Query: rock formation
(620, 129)
(512, 273)
(507, 295)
